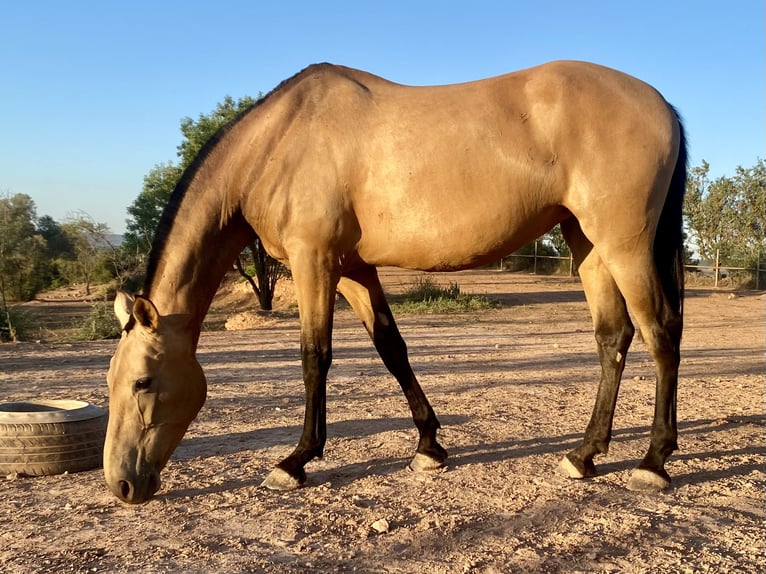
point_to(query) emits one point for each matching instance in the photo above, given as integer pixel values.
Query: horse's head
(156, 388)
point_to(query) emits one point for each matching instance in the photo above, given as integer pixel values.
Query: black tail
(669, 239)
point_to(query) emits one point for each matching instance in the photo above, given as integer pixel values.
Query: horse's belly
(463, 240)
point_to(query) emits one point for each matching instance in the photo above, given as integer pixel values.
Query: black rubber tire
(51, 437)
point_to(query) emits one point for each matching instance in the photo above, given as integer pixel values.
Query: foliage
(147, 208)
(159, 183)
(728, 214)
(100, 323)
(427, 296)
(93, 256)
(22, 249)
(15, 324)
(37, 253)
(263, 274)
(8, 329)
(197, 132)
(751, 186)
(58, 244)
(555, 238)
(525, 260)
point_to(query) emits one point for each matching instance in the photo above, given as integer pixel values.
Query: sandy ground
(513, 388)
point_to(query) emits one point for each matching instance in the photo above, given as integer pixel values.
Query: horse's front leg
(363, 291)
(315, 290)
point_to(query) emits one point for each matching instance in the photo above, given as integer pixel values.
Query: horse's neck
(199, 249)
(209, 230)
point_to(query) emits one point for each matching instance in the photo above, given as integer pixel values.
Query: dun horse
(339, 171)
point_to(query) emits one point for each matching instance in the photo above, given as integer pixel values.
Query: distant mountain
(115, 239)
(109, 240)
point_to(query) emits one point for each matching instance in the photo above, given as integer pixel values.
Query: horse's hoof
(644, 480)
(424, 463)
(279, 479)
(568, 469)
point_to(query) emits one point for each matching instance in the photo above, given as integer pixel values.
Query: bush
(426, 290)
(427, 296)
(15, 325)
(100, 323)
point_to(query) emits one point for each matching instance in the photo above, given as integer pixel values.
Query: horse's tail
(669, 239)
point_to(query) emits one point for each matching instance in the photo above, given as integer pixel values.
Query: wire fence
(540, 261)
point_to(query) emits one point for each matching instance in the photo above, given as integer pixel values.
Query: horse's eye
(143, 384)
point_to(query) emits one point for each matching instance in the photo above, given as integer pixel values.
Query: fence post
(571, 264)
(758, 272)
(717, 255)
(534, 270)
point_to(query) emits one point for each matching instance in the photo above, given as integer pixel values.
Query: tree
(196, 133)
(556, 238)
(22, 249)
(709, 211)
(751, 208)
(56, 241)
(94, 255)
(22, 255)
(147, 208)
(266, 272)
(727, 215)
(159, 184)
(58, 247)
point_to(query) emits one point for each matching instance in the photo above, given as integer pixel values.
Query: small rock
(362, 502)
(381, 526)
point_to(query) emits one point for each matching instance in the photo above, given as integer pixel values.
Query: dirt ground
(513, 388)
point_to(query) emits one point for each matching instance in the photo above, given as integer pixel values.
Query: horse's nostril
(126, 489)
(154, 483)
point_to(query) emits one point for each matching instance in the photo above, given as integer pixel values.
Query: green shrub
(15, 325)
(100, 323)
(425, 295)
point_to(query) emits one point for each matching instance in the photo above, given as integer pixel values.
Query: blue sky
(93, 92)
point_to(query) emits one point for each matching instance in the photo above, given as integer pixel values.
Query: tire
(51, 437)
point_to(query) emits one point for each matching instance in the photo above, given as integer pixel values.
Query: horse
(339, 171)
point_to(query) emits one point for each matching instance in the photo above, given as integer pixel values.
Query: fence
(539, 261)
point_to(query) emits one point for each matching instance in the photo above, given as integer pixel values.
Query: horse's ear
(146, 313)
(123, 307)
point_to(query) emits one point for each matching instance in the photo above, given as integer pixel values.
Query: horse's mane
(176, 198)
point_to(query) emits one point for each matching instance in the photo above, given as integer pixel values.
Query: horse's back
(451, 176)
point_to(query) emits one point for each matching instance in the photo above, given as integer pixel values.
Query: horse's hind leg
(661, 324)
(635, 274)
(363, 291)
(614, 333)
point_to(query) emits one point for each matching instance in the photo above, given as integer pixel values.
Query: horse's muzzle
(136, 490)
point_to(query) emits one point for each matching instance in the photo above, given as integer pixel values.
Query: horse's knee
(316, 360)
(663, 336)
(615, 338)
